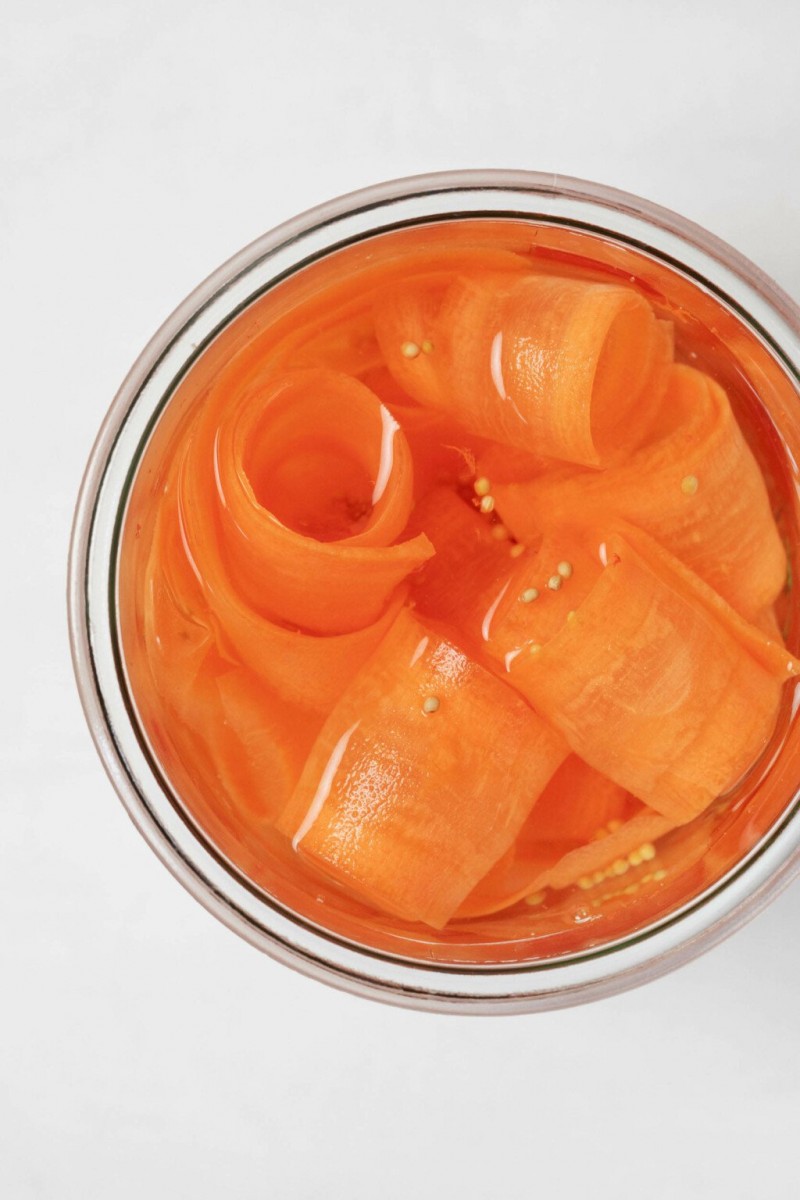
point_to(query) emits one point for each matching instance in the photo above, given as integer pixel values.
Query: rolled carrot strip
(406, 318)
(695, 486)
(241, 742)
(578, 804)
(406, 322)
(562, 368)
(572, 811)
(611, 854)
(421, 777)
(583, 829)
(309, 671)
(657, 682)
(257, 747)
(178, 631)
(314, 484)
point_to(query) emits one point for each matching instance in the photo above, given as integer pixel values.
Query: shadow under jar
(258, 524)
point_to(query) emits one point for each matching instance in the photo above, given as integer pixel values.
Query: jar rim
(519, 987)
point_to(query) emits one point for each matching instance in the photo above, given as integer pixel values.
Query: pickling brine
(455, 595)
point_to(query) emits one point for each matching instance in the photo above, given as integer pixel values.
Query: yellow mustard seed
(564, 569)
(529, 595)
(482, 486)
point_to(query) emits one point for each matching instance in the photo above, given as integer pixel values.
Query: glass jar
(756, 324)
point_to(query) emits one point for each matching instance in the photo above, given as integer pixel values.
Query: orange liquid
(191, 682)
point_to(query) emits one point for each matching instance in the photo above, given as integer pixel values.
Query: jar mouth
(100, 667)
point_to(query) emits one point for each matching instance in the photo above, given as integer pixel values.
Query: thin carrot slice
(468, 559)
(421, 777)
(178, 629)
(573, 810)
(308, 670)
(344, 343)
(656, 681)
(405, 322)
(583, 830)
(314, 484)
(695, 486)
(407, 326)
(240, 741)
(532, 865)
(240, 746)
(578, 804)
(562, 368)
(629, 845)
(323, 317)
(257, 747)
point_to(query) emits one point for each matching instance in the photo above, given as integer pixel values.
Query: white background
(144, 1050)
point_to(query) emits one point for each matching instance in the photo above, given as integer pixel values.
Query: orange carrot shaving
(695, 486)
(583, 828)
(561, 368)
(306, 499)
(468, 558)
(421, 777)
(650, 677)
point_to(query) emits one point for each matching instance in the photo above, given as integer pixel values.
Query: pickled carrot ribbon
(467, 561)
(581, 824)
(314, 483)
(694, 486)
(650, 677)
(421, 778)
(307, 670)
(561, 368)
(244, 744)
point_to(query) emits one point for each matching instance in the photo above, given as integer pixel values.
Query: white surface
(145, 1051)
